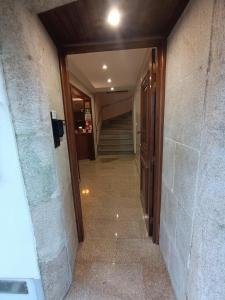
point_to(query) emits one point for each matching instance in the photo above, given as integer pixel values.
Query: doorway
(151, 155)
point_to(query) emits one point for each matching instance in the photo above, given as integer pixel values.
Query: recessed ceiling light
(109, 80)
(112, 88)
(114, 17)
(104, 67)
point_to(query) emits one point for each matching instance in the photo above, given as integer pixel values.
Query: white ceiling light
(109, 80)
(114, 17)
(112, 88)
(104, 67)
(77, 99)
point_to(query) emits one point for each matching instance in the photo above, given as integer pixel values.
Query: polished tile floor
(117, 259)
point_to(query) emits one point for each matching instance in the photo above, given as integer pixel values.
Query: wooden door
(148, 145)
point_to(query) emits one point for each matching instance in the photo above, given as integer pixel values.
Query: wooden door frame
(160, 44)
(72, 150)
(160, 105)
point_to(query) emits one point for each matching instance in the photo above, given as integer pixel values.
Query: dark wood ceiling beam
(110, 46)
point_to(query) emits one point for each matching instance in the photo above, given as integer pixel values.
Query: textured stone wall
(192, 230)
(31, 72)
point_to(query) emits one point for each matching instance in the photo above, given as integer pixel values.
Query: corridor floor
(117, 259)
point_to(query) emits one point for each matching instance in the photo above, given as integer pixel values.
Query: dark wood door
(147, 147)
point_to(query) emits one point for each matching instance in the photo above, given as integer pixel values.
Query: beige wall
(31, 72)
(114, 104)
(115, 109)
(192, 226)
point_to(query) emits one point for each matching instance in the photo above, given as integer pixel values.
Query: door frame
(72, 149)
(160, 44)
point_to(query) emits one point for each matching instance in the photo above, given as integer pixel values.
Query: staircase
(116, 136)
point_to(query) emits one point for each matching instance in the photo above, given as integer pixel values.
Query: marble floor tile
(78, 290)
(138, 251)
(117, 260)
(114, 213)
(106, 229)
(101, 250)
(111, 202)
(157, 284)
(121, 281)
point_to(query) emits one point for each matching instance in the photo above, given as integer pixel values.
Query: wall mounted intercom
(57, 129)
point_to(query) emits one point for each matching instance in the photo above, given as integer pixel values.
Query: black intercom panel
(58, 130)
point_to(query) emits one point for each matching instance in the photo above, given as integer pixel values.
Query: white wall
(18, 257)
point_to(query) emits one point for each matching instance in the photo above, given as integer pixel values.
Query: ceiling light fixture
(112, 88)
(114, 17)
(77, 99)
(109, 80)
(104, 67)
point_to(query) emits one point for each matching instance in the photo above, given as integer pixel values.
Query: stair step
(119, 127)
(115, 137)
(115, 131)
(126, 122)
(117, 122)
(115, 152)
(116, 142)
(115, 147)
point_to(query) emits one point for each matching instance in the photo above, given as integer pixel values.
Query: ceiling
(84, 21)
(123, 68)
(40, 5)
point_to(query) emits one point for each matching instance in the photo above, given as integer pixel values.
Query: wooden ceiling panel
(84, 21)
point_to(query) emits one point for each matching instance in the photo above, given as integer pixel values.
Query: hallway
(117, 259)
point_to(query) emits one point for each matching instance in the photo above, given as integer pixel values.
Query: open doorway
(144, 113)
